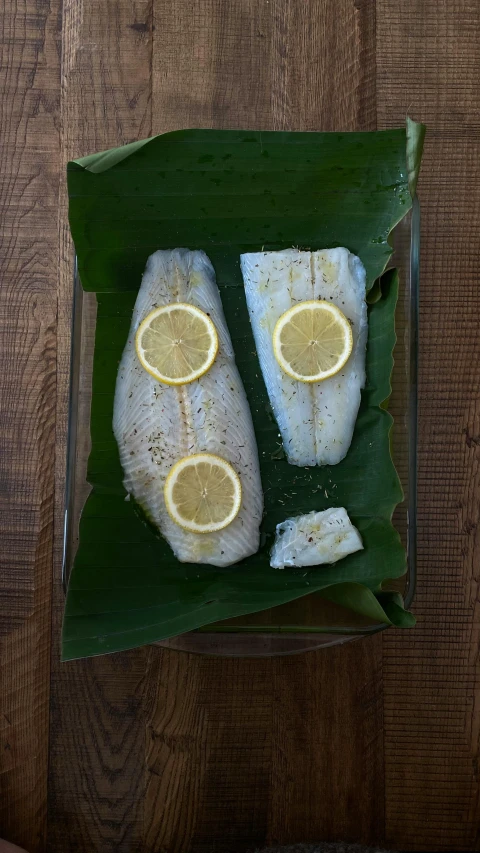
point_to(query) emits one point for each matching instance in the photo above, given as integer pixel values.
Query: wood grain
(427, 63)
(208, 759)
(160, 751)
(29, 117)
(327, 780)
(274, 65)
(97, 728)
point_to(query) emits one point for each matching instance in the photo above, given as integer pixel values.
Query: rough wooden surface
(29, 179)
(427, 61)
(160, 751)
(97, 743)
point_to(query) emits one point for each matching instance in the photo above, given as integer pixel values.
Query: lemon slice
(203, 493)
(176, 343)
(312, 341)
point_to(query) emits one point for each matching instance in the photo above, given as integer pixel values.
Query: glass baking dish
(310, 622)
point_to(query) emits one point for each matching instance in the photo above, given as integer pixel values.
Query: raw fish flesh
(315, 538)
(155, 424)
(316, 421)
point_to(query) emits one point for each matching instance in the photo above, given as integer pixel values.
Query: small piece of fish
(155, 425)
(316, 420)
(314, 539)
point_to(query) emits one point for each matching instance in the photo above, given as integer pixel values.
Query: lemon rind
(182, 463)
(281, 322)
(184, 380)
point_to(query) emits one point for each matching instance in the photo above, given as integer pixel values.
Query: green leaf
(358, 598)
(392, 604)
(104, 160)
(228, 192)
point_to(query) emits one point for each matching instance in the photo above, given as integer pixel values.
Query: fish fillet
(315, 538)
(316, 421)
(157, 424)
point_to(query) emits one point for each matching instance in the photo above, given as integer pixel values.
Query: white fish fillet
(315, 538)
(316, 421)
(156, 424)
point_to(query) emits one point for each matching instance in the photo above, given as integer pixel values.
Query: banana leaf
(229, 192)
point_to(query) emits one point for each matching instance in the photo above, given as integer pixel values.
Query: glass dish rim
(271, 631)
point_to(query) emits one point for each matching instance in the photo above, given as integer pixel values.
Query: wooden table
(148, 751)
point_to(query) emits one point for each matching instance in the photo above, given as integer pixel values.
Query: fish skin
(314, 539)
(316, 420)
(155, 424)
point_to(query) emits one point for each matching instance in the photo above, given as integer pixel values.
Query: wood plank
(97, 754)
(277, 65)
(244, 751)
(328, 744)
(328, 737)
(427, 61)
(29, 114)
(97, 725)
(209, 753)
